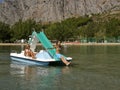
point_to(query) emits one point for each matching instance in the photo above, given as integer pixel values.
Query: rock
(12, 11)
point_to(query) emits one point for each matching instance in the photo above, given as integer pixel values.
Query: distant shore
(12, 44)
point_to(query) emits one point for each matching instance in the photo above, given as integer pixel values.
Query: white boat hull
(38, 61)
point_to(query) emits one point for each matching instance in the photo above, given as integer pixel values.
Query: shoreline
(12, 44)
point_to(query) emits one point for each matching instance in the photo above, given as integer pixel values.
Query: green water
(92, 68)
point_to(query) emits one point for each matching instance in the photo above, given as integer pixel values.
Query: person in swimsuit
(58, 48)
(28, 52)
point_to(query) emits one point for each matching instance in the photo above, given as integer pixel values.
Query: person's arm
(25, 52)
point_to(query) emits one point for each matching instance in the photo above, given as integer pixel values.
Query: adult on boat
(28, 52)
(58, 48)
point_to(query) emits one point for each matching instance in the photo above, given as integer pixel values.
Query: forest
(94, 28)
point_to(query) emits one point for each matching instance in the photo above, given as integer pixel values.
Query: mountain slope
(53, 10)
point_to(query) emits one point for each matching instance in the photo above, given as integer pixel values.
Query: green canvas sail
(47, 44)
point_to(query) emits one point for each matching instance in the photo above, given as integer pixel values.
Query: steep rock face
(53, 10)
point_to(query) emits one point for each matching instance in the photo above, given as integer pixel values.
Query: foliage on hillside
(96, 26)
(4, 32)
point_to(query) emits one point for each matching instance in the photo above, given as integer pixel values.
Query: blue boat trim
(31, 61)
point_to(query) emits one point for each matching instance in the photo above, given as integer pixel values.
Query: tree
(4, 32)
(60, 31)
(113, 28)
(21, 30)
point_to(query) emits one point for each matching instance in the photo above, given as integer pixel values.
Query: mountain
(53, 10)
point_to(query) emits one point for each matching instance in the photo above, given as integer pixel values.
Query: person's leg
(33, 55)
(65, 61)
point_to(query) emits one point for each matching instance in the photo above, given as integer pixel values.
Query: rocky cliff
(53, 10)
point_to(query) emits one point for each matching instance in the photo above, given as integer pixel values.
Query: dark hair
(56, 42)
(27, 46)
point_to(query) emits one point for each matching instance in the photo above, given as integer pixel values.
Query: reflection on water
(17, 68)
(29, 72)
(35, 77)
(92, 68)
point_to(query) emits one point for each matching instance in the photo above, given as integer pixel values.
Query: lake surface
(92, 68)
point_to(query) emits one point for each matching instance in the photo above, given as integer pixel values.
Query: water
(92, 68)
